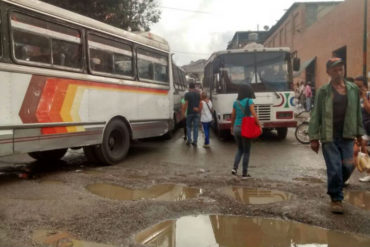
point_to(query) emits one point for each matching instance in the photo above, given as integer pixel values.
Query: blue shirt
(239, 112)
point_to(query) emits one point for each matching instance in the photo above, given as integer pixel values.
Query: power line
(188, 10)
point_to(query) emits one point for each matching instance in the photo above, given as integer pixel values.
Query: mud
(54, 196)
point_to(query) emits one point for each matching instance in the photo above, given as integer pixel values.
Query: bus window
(110, 56)
(31, 47)
(67, 54)
(39, 41)
(101, 61)
(152, 66)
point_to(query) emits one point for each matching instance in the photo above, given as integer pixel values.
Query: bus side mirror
(296, 64)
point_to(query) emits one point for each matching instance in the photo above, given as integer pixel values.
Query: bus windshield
(264, 71)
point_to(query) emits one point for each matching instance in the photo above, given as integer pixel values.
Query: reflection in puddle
(236, 231)
(256, 196)
(358, 198)
(61, 239)
(160, 192)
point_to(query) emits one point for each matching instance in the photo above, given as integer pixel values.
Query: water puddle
(360, 199)
(160, 192)
(309, 179)
(256, 196)
(61, 239)
(236, 231)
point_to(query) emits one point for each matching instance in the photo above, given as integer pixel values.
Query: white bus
(71, 81)
(267, 70)
(180, 87)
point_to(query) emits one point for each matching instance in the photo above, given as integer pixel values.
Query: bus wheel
(282, 133)
(116, 143)
(50, 155)
(91, 153)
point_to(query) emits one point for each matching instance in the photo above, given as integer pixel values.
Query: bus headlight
(284, 115)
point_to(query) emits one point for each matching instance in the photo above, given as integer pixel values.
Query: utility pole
(364, 71)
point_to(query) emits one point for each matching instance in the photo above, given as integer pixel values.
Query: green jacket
(321, 123)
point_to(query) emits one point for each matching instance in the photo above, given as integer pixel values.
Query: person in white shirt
(206, 116)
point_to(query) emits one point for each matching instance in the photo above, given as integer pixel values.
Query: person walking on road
(191, 107)
(336, 120)
(242, 107)
(308, 96)
(206, 113)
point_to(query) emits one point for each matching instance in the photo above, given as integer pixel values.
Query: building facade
(319, 30)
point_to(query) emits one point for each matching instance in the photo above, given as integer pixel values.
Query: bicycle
(301, 131)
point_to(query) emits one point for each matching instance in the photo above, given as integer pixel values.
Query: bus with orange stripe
(70, 81)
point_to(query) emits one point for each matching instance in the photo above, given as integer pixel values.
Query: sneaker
(244, 177)
(346, 184)
(187, 143)
(194, 144)
(206, 145)
(336, 207)
(364, 179)
(233, 172)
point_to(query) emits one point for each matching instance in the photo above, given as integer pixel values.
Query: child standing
(206, 112)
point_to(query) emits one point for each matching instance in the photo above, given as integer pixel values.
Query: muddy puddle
(237, 231)
(47, 238)
(360, 199)
(160, 192)
(256, 196)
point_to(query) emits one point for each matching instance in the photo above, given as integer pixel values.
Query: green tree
(131, 15)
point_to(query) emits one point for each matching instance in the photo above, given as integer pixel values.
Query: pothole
(237, 231)
(360, 199)
(50, 238)
(160, 192)
(256, 196)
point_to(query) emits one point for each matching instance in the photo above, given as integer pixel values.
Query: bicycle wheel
(301, 133)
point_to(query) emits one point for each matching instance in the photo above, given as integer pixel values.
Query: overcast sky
(196, 28)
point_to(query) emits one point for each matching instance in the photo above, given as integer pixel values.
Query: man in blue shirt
(191, 107)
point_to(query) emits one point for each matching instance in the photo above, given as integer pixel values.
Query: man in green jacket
(336, 121)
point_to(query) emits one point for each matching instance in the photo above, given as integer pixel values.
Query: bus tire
(116, 143)
(282, 133)
(91, 154)
(50, 155)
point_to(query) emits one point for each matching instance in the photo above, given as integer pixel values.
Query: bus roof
(249, 48)
(144, 38)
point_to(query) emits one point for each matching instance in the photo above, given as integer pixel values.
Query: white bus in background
(180, 87)
(267, 70)
(71, 81)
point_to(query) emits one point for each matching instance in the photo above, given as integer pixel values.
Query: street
(86, 201)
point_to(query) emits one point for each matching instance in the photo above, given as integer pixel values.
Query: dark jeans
(338, 157)
(192, 122)
(244, 147)
(206, 127)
